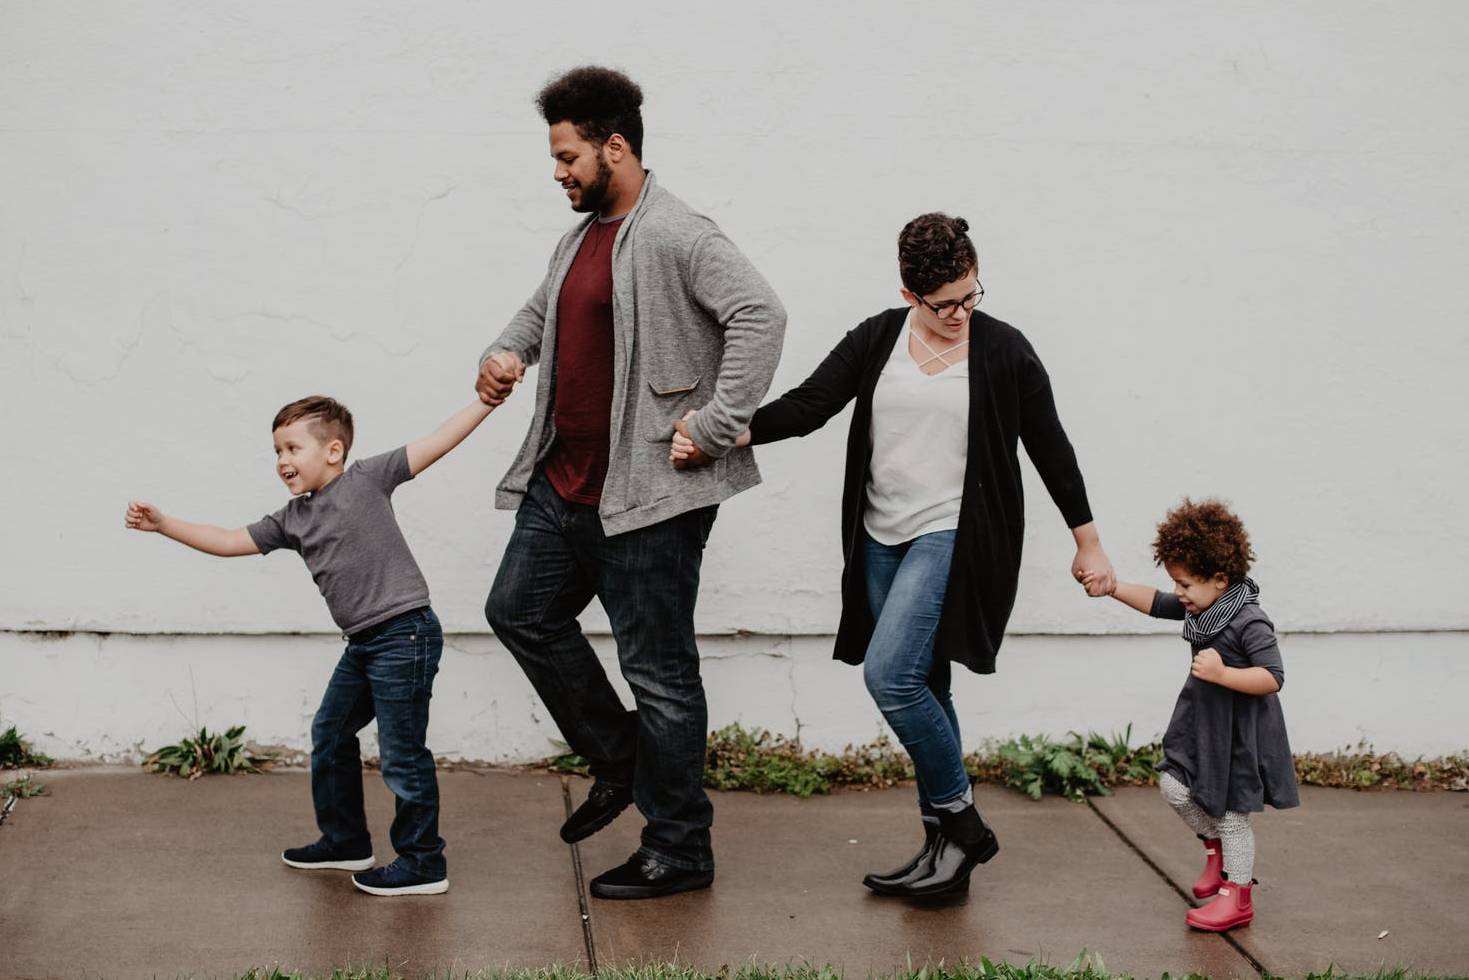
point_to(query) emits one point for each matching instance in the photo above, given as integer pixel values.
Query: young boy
(341, 522)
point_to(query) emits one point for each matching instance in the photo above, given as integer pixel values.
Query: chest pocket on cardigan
(672, 399)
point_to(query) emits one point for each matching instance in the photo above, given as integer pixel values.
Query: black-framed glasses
(945, 310)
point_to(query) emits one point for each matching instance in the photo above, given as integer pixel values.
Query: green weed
(208, 754)
(15, 752)
(1074, 767)
(23, 787)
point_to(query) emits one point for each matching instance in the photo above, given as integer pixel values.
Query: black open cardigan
(1009, 400)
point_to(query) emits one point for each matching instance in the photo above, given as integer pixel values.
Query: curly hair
(598, 102)
(1206, 538)
(933, 250)
(328, 419)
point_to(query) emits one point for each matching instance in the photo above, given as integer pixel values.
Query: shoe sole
(625, 892)
(592, 828)
(427, 888)
(899, 891)
(1222, 927)
(362, 864)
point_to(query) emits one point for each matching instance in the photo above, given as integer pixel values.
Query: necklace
(936, 355)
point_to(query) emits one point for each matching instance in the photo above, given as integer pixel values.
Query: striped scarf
(1206, 625)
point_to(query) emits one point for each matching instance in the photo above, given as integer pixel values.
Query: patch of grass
(1386, 973)
(1075, 766)
(15, 752)
(1084, 967)
(23, 787)
(1360, 768)
(766, 763)
(208, 754)
(762, 762)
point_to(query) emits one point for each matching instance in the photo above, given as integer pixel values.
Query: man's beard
(595, 193)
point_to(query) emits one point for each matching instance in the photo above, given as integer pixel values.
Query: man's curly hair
(934, 250)
(1206, 538)
(598, 102)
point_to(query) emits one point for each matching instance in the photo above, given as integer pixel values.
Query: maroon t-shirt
(577, 464)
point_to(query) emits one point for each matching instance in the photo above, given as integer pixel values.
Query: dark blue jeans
(557, 560)
(387, 674)
(906, 584)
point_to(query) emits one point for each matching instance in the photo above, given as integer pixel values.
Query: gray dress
(1228, 748)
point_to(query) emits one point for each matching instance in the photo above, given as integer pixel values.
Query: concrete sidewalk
(120, 874)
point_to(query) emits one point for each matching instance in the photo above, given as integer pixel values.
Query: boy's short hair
(1206, 538)
(598, 102)
(329, 419)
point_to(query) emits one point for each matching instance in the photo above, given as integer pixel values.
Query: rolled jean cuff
(958, 804)
(681, 863)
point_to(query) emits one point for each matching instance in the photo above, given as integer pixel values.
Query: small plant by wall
(16, 752)
(22, 787)
(207, 754)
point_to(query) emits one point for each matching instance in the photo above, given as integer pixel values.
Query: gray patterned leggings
(1232, 830)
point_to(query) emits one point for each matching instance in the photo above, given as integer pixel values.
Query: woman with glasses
(932, 515)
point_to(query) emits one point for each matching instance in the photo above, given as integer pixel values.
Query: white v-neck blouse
(920, 439)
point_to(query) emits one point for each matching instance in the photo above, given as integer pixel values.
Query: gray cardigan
(695, 327)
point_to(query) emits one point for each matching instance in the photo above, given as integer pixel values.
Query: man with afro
(647, 313)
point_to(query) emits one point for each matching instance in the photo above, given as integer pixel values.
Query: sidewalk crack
(588, 939)
(1177, 889)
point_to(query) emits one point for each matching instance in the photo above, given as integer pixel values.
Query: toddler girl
(1225, 754)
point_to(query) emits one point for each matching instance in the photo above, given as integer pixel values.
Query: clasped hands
(683, 453)
(498, 375)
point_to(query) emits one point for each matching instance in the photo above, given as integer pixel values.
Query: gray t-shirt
(351, 542)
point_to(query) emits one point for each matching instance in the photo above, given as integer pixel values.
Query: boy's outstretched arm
(423, 453)
(221, 541)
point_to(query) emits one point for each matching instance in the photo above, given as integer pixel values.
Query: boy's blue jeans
(906, 584)
(557, 561)
(387, 673)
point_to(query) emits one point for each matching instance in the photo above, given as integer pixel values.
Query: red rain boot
(1210, 879)
(1232, 907)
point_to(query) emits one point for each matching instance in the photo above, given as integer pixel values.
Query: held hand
(143, 517)
(1094, 571)
(683, 453)
(1095, 586)
(681, 448)
(498, 376)
(1207, 666)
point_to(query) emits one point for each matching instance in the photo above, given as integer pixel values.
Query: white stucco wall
(1236, 235)
(112, 698)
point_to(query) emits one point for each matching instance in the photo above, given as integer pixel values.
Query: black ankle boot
(884, 883)
(964, 841)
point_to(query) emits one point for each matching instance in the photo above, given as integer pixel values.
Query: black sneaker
(322, 856)
(394, 879)
(603, 804)
(647, 877)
